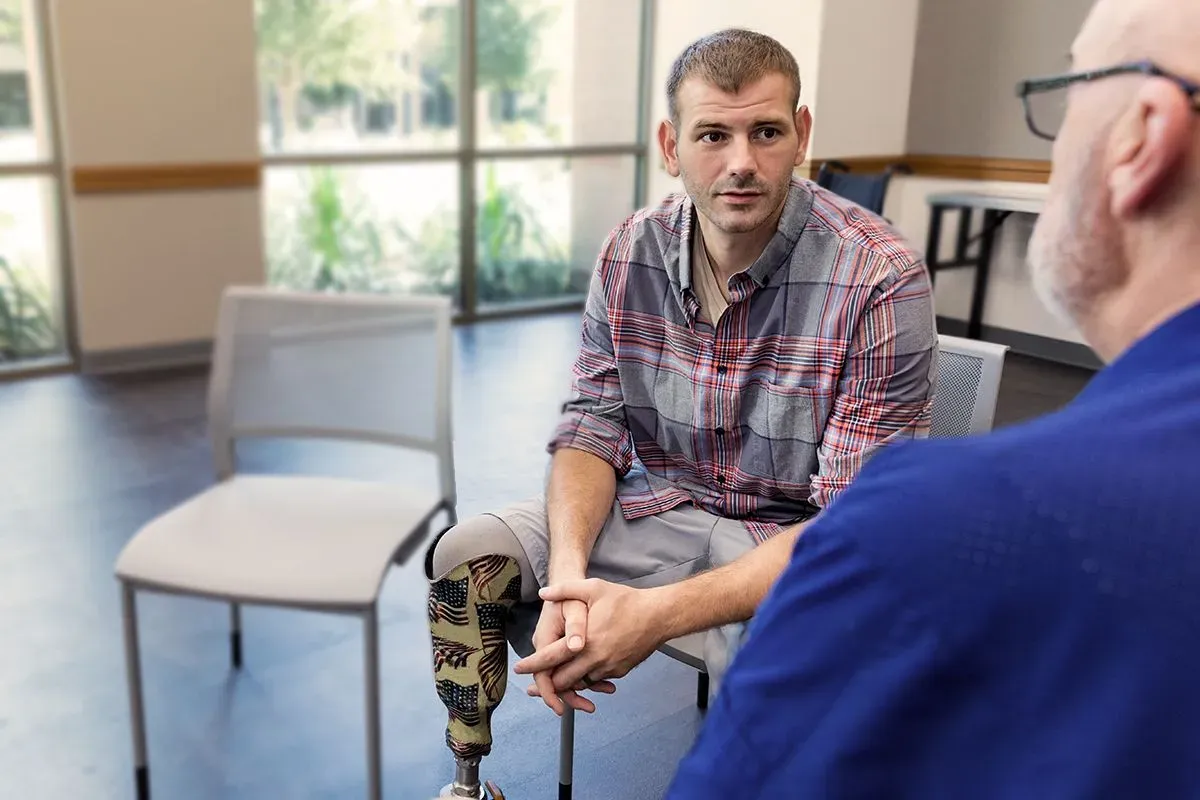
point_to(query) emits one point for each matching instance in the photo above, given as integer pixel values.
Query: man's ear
(1146, 147)
(803, 132)
(668, 143)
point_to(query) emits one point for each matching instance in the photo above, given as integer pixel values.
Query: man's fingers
(547, 658)
(575, 617)
(579, 702)
(546, 691)
(574, 673)
(574, 699)
(603, 687)
(584, 590)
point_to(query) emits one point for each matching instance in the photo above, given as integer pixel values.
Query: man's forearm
(579, 497)
(728, 594)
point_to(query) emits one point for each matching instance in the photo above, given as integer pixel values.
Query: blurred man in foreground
(1018, 615)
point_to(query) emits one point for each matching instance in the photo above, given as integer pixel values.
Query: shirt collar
(1174, 344)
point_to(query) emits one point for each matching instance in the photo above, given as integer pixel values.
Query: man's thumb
(568, 590)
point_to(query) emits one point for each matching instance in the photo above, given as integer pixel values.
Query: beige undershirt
(711, 294)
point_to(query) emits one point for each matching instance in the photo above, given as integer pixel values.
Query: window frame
(468, 154)
(41, 65)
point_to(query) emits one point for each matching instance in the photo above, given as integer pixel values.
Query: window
(539, 224)
(363, 228)
(477, 148)
(557, 73)
(355, 75)
(32, 327)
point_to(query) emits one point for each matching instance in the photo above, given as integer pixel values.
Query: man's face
(1075, 254)
(736, 152)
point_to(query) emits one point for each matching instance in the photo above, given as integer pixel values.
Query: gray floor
(87, 460)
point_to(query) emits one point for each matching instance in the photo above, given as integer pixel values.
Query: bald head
(1114, 250)
(1125, 30)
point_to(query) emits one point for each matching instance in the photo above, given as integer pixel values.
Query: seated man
(1018, 615)
(745, 347)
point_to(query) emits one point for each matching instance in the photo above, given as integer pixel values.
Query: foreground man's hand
(623, 627)
(563, 626)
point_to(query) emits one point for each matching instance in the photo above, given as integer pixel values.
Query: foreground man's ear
(1147, 144)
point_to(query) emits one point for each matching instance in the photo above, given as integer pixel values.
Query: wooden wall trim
(972, 168)
(143, 178)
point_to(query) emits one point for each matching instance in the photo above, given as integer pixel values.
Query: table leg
(983, 265)
(932, 240)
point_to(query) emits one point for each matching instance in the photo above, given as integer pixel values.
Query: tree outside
(351, 75)
(11, 24)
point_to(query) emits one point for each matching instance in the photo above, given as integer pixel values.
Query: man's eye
(769, 133)
(712, 137)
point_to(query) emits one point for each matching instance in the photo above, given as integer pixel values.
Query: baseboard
(1045, 347)
(136, 359)
(197, 353)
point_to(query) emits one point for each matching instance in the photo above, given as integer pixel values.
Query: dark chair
(868, 190)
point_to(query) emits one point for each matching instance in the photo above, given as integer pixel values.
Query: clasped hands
(590, 632)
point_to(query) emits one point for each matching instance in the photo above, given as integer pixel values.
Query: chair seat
(688, 649)
(318, 542)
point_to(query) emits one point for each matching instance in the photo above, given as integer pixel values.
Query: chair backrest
(361, 368)
(867, 190)
(964, 402)
(968, 384)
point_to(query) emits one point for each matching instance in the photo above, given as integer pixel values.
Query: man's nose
(741, 158)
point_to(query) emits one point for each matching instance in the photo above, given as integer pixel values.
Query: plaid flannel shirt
(826, 352)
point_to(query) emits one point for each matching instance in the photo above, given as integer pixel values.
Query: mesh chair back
(867, 190)
(350, 367)
(968, 384)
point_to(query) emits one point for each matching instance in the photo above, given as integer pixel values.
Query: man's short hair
(729, 60)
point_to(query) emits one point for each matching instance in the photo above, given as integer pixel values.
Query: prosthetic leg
(467, 611)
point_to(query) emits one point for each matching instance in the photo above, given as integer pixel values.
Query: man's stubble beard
(1075, 255)
(706, 203)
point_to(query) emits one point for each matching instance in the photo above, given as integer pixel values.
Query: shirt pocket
(783, 424)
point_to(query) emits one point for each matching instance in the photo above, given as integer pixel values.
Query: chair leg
(235, 635)
(702, 691)
(374, 727)
(566, 754)
(133, 669)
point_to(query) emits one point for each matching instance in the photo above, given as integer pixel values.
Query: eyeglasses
(1046, 102)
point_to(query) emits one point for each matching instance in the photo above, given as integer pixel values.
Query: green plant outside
(335, 241)
(28, 328)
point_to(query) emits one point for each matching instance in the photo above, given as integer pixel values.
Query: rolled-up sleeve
(593, 418)
(885, 393)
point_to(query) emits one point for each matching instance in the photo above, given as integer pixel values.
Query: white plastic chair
(968, 385)
(966, 390)
(304, 366)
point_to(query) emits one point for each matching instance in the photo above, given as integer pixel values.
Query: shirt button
(720, 431)
(721, 370)
(721, 479)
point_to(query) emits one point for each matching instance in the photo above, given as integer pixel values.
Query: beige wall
(864, 78)
(970, 54)
(605, 51)
(151, 82)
